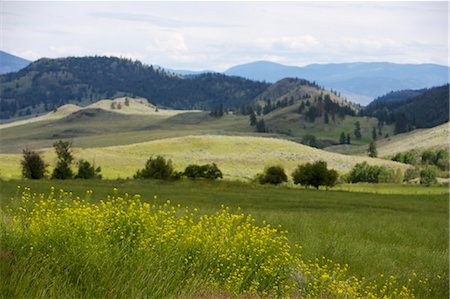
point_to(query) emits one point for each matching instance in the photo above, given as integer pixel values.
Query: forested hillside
(49, 83)
(428, 109)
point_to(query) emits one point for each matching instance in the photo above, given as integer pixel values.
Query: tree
(374, 133)
(127, 102)
(62, 170)
(428, 157)
(372, 150)
(33, 166)
(261, 126)
(315, 174)
(357, 130)
(428, 176)
(253, 119)
(273, 175)
(342, 139)
(348, 139)
(156, 168)
(88, 171)
(207, 171)
(326, 119)
(310, 140)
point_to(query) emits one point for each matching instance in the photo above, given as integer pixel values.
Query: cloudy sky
(217, 35)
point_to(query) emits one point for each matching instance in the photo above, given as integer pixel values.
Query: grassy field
(394, 234)
(238, 157)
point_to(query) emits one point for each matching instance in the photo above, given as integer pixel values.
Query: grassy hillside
(238, 157)
(419, 140)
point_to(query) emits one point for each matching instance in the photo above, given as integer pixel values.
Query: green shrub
(88, 171)
(207, 171)
(428, 176)
(33, 166)
(315, 174)
(363, 172)
(273, 175)
(156, 168)
(411, 174)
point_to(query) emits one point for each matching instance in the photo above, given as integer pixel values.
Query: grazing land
(390, 234)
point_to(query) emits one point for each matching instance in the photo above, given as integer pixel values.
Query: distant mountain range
(360, 81)
(10, 63)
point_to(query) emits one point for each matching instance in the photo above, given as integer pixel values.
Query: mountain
(395, 96)
(49, 83)
(10, 63)
(428, 109)
(359, 81)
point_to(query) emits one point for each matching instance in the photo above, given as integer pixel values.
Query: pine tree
(253, 119)
(326, 119)
(372, 150)
(357, 130)
(348, 139)
(342, 139)
(62, 170)
(374, 133)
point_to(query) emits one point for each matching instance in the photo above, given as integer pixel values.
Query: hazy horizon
(218, 35)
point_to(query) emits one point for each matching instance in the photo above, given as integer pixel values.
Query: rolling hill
(358, 81)
(50, 83)
(239, 157)
(11, 63)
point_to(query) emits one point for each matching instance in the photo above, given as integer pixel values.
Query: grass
(394, 234)
(238, 157)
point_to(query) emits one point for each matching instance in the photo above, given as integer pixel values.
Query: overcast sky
(217, 35)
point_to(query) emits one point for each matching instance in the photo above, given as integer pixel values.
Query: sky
(218, 35)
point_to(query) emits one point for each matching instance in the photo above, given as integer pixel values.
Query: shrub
(407, 158)
(363, 172)
(411, 174)
(273, 175)
(315, 174)
(207, 171)
(88, 171)
(428, 176)
(156, 168)
(62, 170)
(33, 166)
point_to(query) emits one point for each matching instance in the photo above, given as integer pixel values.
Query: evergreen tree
(357, 130)
(348, 138)
(261, 126)
(372, 150)
(342, 139)
(253, 119)
(62, 170)
(374, 133)
(326, 120)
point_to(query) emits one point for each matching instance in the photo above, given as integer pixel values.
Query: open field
(374, 233)
(238, 157)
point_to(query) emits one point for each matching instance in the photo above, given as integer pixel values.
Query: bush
(315, 174)
(411, 174)
(156, 168)
(273, 175)
(33, 166)
(407, 158)
(207, 171)
(428, 176)
(363, 172)
(62, 170)
(88, 171)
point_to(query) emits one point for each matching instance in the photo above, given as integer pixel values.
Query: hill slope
(359, 81)
(428, 109)
(11, 63)
(50, 83)
(238, 157)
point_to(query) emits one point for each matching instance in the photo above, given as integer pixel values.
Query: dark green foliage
(315, 174)
(428, 176)
(218, 111)
(374, 133)
(363, 172)
(88, 171)
(62, 170)
(407, 110)
(411, 174)
(342, 139)
(438, 158)
(310, 140)
(372, 150)
(312, 113)
(156, 168)
(261, 126)
(348, 138)
(326, 119)
(253, 119)
(76, 79)
(207, 171)
(357, 130)
(33, 166)
(409, 157)
(273, 175)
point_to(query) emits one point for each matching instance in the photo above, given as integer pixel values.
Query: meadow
(403, 234)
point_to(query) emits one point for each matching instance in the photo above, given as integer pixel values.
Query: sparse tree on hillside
(374, 133)
(88, 171)
(253, 119)
(348, 139)
(342, 139)
(113, 105)
(372, 150)
(326, 119)
(62, 170)
(127, 102)
(315, 174)
(33, 166)
(261, 126)
(156, 168)
(273, 175)
(357, 130)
